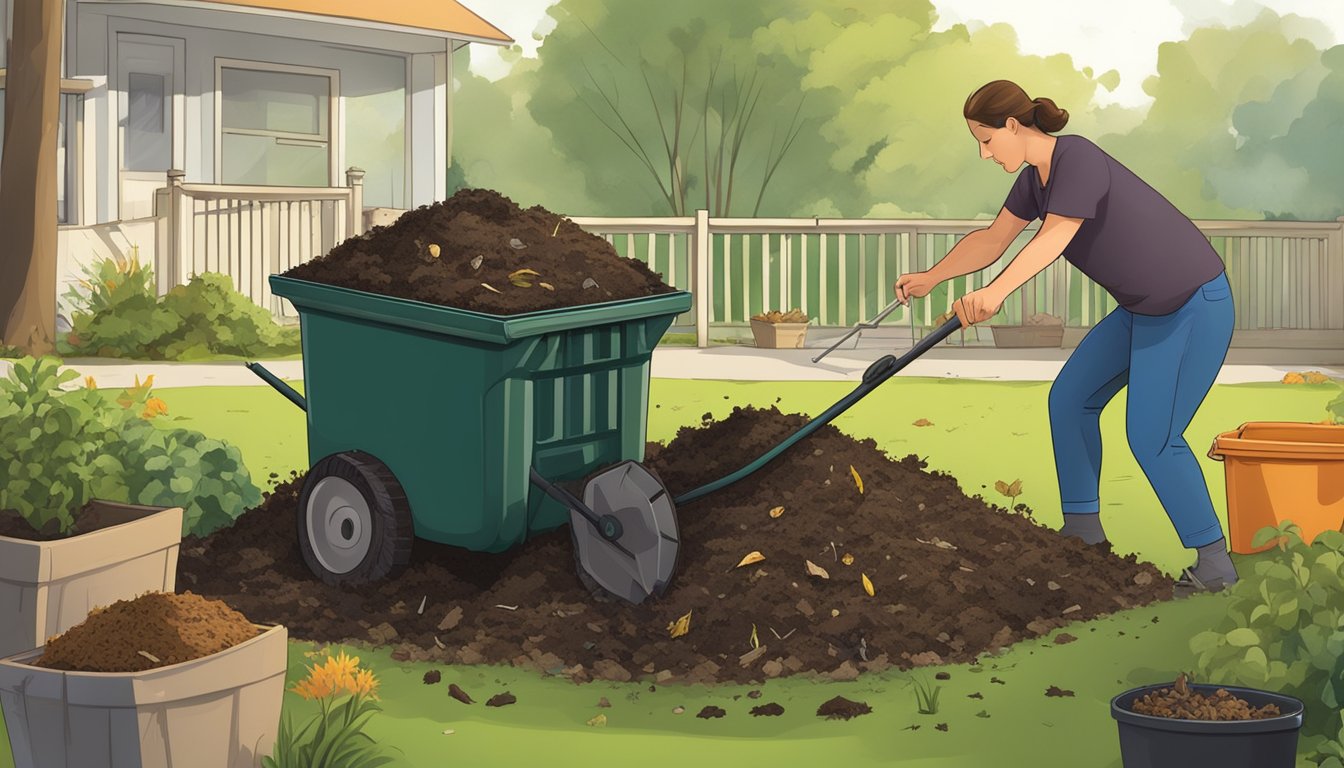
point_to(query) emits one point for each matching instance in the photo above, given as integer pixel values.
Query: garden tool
(859, 327)
(624, 529)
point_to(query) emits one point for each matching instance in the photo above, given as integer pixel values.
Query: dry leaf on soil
(490, 287)
(848, 559)
(867, 584)
(923, 423)
(857, 480)
(776, 512)
(680, 626)
(751, 557)
(434, 250)
(816, 570)
(547, 286)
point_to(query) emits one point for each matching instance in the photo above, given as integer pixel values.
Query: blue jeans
(1169, 362)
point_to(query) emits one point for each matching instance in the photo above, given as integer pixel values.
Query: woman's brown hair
(995, 102)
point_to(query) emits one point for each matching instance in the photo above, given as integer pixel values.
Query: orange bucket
(1279, 471)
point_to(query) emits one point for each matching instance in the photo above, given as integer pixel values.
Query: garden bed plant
(118, 313)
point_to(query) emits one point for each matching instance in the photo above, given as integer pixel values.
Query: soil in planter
(953, 576)
(153, 630)
(492, 257)
(91, 517)
(1181, 702)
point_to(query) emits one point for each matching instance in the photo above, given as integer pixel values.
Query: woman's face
(1002, 145)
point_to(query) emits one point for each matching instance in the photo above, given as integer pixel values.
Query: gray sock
(1085, 526)
(1215, 563)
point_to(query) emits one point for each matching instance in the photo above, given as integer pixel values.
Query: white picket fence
(1287, 277)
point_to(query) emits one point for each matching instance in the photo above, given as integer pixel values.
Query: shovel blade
(641, 562)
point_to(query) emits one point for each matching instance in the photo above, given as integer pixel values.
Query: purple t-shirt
(1132, 242)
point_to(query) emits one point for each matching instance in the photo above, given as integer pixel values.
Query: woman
(1166, 340)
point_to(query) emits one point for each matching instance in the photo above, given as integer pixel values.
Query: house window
(275, 127)
(67, 155)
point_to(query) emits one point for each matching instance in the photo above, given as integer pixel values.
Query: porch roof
(446, 17)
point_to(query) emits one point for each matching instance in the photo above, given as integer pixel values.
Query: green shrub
(1284, 629)
(67, 447)
(119, 314)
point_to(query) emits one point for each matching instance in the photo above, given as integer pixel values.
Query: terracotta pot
(779, 335)
(47, 587)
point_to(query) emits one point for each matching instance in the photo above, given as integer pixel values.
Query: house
(213, 135)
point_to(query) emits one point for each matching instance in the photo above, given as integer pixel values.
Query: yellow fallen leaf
(490, 287)
(867, 584)
(755, 641)
(749, 558)
(848, 559)
(547, 286)
(776, 511)
(680, 626)
(816, 570)
(520, 274)
(598, 721)
(923, 423)
(434, 250)
(857, 480)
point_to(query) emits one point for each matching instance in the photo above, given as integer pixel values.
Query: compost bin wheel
(354, 522)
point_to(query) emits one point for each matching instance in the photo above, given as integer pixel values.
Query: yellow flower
(154, 407)
(338, 675)
(90, 383)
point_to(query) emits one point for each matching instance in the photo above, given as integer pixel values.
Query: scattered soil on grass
(457, 693)
(1055, 690)
(433, 677)
(1182, 702)
(533, 259)
(840, 708)
(502, 700)
(954, 577)
(171, 628)
(767, 710)
(711, 711)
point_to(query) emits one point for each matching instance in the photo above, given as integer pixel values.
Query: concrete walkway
(741, 363)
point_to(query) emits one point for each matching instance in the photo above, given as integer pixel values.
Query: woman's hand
(977, 306)
(915, 285)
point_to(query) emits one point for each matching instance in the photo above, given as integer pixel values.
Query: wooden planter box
(1028, 335)
(47, 587)
(222, 711)
(779, 335)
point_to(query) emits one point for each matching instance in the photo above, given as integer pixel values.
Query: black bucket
(1161, 742)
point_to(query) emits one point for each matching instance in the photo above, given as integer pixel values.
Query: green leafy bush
(119, 314)
(67, 447)
(1284, 629)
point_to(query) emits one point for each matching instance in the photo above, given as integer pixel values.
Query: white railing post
(179, 228)
(354, 223)
(700, 258)
(1334, 259)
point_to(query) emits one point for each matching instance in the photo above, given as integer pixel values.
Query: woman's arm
(979, 249)
(1044, 248)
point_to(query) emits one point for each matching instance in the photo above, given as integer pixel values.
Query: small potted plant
(1171, 725)
(88, 491)
(780, 330)
(163, 679)
(1039, 330)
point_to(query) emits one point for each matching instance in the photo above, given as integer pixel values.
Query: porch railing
(1287, 277)
(251, 232)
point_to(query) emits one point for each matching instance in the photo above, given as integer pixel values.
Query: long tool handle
(280, 386)
(881, 370)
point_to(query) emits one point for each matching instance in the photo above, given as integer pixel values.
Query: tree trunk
(28, 177)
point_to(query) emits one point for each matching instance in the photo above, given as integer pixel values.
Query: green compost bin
(459, 405)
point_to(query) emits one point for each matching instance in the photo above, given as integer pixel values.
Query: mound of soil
(480, 251)
(153, 630)
(1181, 702)
(840, 708)
(952, 577)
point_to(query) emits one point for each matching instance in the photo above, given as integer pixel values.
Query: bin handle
(1212, 448)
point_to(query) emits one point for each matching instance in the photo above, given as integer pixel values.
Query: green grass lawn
(981, 432)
